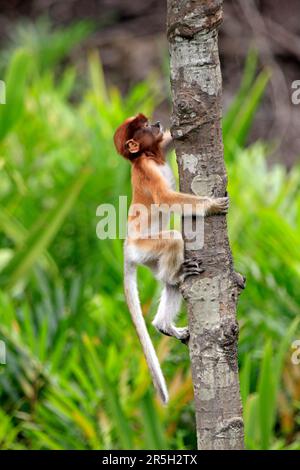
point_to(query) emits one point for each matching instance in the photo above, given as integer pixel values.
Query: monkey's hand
(167, 140)
(217, 205)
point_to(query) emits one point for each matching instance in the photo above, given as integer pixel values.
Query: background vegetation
(74, 376)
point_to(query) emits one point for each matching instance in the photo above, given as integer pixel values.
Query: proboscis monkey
(160, 249)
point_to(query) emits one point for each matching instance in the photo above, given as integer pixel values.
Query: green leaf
(284, 346)
(245, 87)
(236, 136)
(15, 80)
(14, 230)
(111, 395)
(267, 397)
(245, 377)
(251, 422)
(97, 77)
(154, 436)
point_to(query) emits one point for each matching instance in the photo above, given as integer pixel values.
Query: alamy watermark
(2, 352)
(2, 92)
(296, 93)
(295, 358)
(150, 223)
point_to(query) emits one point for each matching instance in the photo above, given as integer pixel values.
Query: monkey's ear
(132, 145)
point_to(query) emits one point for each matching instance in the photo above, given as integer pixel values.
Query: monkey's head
(136, 136)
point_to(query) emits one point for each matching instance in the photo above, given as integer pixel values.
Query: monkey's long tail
(132, 297)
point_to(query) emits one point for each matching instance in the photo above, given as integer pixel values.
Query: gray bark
(212, 296)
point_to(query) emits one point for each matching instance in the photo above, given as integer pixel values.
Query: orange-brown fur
(162, 250)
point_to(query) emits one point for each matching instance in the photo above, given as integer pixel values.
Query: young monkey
(162, 250)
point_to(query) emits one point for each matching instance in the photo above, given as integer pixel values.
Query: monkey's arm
(153, 181)
(166, 141)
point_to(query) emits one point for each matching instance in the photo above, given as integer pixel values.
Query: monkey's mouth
(159, 130)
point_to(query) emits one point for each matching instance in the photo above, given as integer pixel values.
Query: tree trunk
(212, 296)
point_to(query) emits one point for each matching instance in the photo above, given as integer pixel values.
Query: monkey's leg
(171, 270)
(170, 303)
(167, 312)
(167, 251)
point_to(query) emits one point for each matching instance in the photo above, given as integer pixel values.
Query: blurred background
(74, 376)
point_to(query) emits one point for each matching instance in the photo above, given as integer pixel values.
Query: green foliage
(15, 80)
(46, 46)
(239, 117)
(260, 408)
(71, 379)
(42, 234)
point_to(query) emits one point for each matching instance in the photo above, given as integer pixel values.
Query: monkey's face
(147, 134)
(136, 136)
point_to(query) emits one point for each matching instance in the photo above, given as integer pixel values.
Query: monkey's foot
(191, 267)
(170, 330)
(183, 334)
